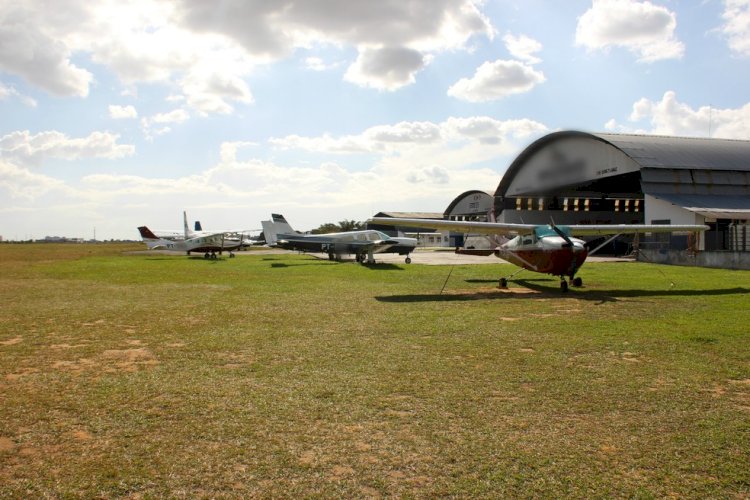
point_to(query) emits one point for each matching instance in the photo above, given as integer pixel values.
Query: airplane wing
(605, 229)
(509, 228)
(458, 226)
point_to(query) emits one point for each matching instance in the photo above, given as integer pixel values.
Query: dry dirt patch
(6, 445)
(111, 360)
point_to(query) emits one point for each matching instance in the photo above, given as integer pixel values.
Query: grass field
(287, 376)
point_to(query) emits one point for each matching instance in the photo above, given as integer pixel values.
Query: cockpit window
(542, 231)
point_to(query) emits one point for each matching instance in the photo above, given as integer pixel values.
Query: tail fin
(151, 240)
(185, 224)
(198, 226)
(147, 234)
(272, 228)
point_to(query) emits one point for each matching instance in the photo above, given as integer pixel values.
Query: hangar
(575, 177)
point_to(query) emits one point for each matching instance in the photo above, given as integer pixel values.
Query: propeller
(561, 234)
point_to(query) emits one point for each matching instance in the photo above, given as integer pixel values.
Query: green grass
(284, 375)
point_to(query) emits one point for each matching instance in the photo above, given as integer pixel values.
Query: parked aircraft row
(198, 240)
(547, 249)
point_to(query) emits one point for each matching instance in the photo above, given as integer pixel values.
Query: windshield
(542, 231)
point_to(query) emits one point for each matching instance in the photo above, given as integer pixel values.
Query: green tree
(350, 225)
(344, 225)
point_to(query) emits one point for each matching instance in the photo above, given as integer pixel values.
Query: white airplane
(192, 241)
(547, 249)
(363, 244)
(234, 239)
(179, 235)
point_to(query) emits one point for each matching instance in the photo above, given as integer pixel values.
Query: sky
(116, 114)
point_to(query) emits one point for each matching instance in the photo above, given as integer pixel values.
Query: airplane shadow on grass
(533, 290)
(191, 257)
(374, 267)
(297, 264)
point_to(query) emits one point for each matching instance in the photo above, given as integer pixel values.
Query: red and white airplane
(189, 241)
(547, 249)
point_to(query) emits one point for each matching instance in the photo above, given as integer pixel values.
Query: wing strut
(592, 252)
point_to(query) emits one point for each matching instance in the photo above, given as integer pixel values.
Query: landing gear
(408, 260)
(362, 259)
(231, 255)
(331, 256)
(577, 282)
(206, 255)
(563, 285)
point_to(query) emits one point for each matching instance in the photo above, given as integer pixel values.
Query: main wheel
(503, 283)
(564, 286)
(408, 260)
(577, 282)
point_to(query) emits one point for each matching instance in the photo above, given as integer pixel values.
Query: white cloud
(23, 148)
(388, 68)
(210, 91)
(28, 50)
(8, 92)
(140, 41)
(429, 175)
(415, 138)
(646, 29)
(668, 116)
(175, 116)
(209, 50)
(523, 47)
(423, 164)
(737, 25)
(274, 29)
(118, 112)
(318, 64)
(315, 64)
(495, 80)
(20, 183)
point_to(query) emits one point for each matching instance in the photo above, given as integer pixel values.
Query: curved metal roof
(463, 195)
(651, 151)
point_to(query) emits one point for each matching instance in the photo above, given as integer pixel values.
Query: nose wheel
(576, 282)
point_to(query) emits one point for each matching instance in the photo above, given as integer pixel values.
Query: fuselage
(346, 241)
(546, 254)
